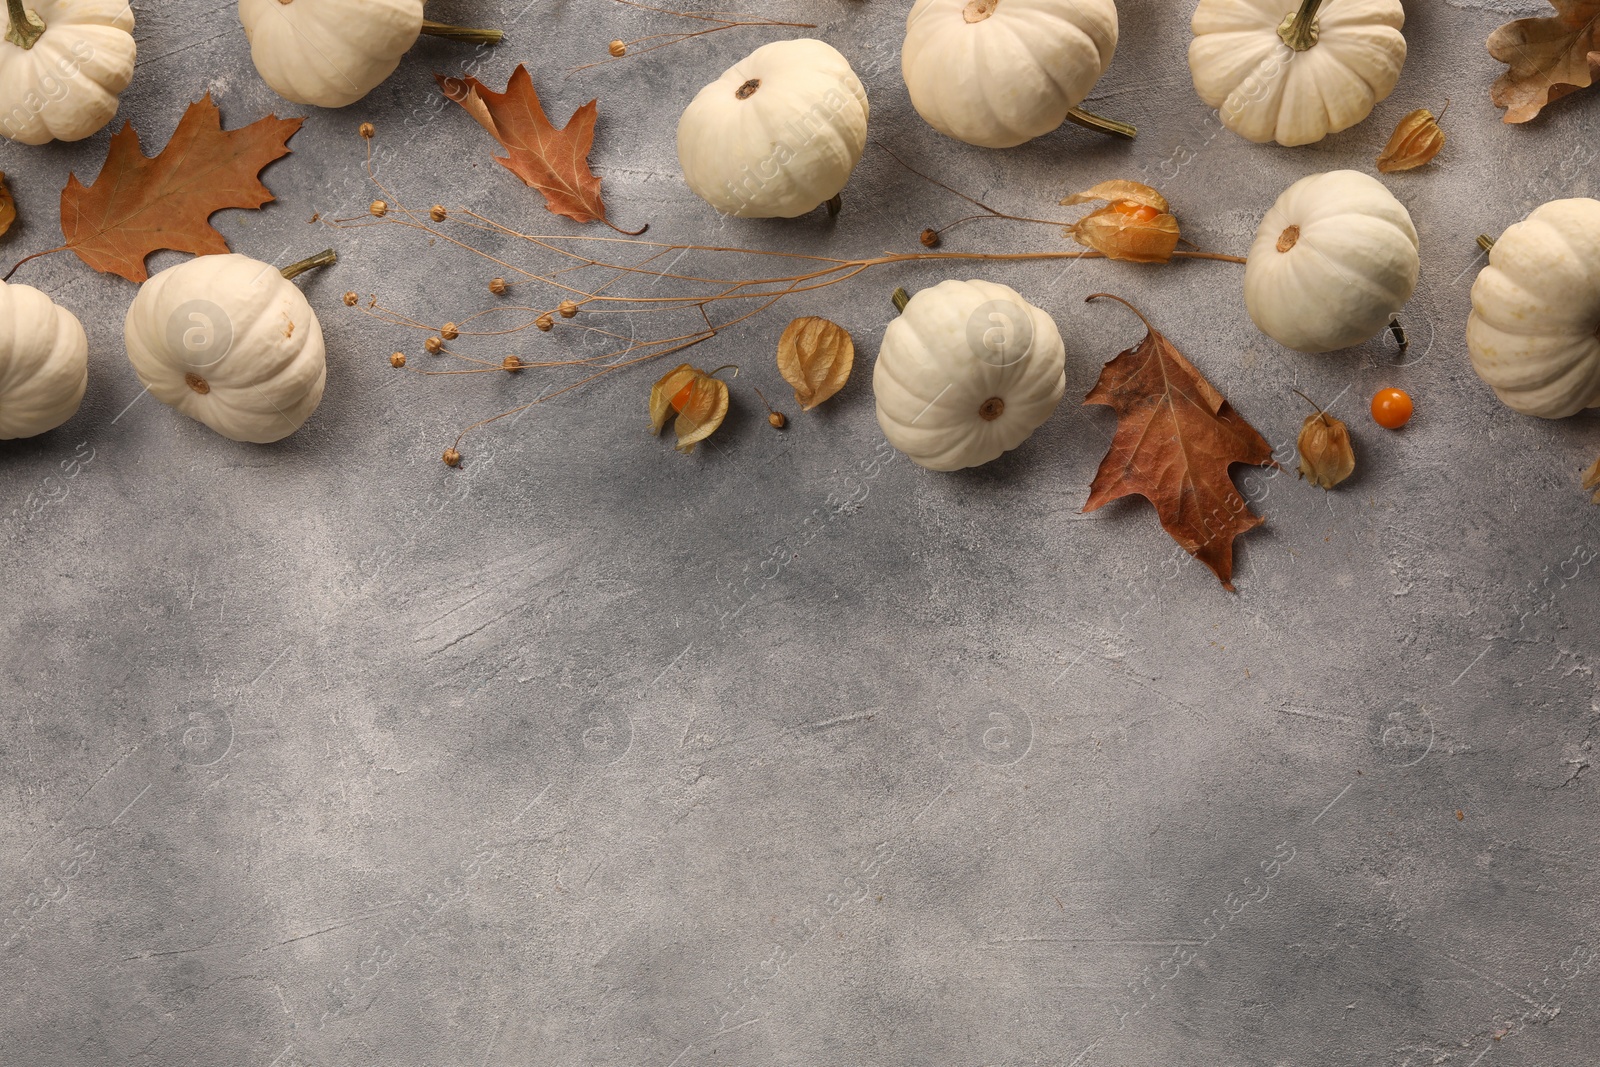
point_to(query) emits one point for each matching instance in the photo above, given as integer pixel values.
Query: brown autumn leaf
(1176, 439)
(1547, 58)
(138, 204)
(1135, 225)
(699, 401)
(1591, 480)
(555, 162)
(8, 206)
(815, 356)
(1416, 140)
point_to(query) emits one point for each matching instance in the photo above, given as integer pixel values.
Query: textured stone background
(790, 752)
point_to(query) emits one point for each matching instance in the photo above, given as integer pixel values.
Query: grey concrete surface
(791, 753)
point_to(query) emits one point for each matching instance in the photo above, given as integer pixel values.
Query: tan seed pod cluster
(368, 131)
(434, 345)
(351, 300)
(619, 49)
(452, 458)
(437, 213)
(511, 364)
(498, 286)
(397, 360)
(544, 322)
(567, 309)
(378, 209)
(450, 331)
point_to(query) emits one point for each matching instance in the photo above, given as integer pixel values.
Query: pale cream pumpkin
(1332, 263)
(997, 73)
(44, 362)
(63, 65)
(1534, 331)
(778, 134)
(1295, 72)
(229, 341)
(967, 372)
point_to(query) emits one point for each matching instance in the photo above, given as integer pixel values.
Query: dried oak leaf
(555, 162)
(1547, 58)
(138, 204)
(1135, 225)
(815, 356)
(1591, 480)
(1416, 140)
(1176, 439)
(699, 401)
(8, 206)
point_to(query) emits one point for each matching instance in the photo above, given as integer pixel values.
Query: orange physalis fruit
(699, 401)
(1391, 408)
(1136, 225)
(1416, 141)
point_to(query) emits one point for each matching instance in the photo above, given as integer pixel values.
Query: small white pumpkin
(1534, 331)
(997, 73)
(331, 53)
(229, 341)
(968, 371)
(1275, 70)
(44, 362)
(1333, 262)
(778, 134)
(63, 83)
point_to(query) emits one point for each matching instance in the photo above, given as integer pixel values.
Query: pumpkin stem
(26, 26)
(1089, 120)
(1399, 333)
(321, 259)
(462, 33)
(1485, 242)
(1300, 31)
(835, 204)
(901, 298)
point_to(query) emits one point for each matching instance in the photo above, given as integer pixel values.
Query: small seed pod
(619, 49)
(777, 420)
(511, 364)
(452, 458)
(1326, 456)
(378, 209)
(437, 213)
(434, 345)
(930, 238)
(351, 300)
(397, 360)
(498, 286)
(567, 309)
(544, 322)
(368, 131)
(450, 331)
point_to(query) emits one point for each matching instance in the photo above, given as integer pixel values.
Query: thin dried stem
(721, 20)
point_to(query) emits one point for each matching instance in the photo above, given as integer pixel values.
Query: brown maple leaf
(141, 204)
(8, 206)
(1176, 438)
(555, 162)
(1548, 57)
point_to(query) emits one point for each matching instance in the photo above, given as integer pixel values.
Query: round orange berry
(1391, 408)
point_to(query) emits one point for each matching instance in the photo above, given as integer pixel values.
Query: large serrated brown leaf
(1176, 439)
(1548, 58)
(139, 205)
(554, 162)
(8, 206)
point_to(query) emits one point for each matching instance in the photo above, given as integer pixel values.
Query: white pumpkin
(997, 73)
(968, 371)
(229, 341)
(44, 362)
(330, 53)
(778, 134)
(1294, 73)
(63, 85)
(1333, 261)
(1534, 331)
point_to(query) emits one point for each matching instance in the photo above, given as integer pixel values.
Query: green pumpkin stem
(1090, 121)
(901, 298)
(321, 259)
(1299, 31)
(462, 33)
(26, 26)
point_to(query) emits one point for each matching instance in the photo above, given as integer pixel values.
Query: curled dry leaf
(8, 206)
(1135, 225)
(1176, 439)
(699, 401)
(1326, 456)
(1416, 141)
(1546, 58)
(1591, 480)
(815, 356)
